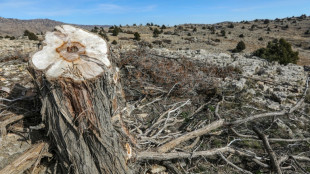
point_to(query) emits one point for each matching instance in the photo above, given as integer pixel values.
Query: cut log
(80, 92)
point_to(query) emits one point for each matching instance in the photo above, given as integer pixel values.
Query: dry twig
(168, 146)
(271, 153)
(233, 165)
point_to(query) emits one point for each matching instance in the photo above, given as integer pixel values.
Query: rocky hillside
(223, 37)
(16, 27)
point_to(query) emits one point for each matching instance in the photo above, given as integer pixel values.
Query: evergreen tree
(114, 42)
(31, 36)
(223, 33)
(137, 36)
(240, 46)
(278, 50)
(156, 32)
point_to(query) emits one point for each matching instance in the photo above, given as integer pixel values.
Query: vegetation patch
(278, 50)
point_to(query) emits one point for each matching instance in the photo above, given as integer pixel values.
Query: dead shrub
(181, 77)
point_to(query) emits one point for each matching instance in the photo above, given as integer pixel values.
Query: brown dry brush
(181, 77)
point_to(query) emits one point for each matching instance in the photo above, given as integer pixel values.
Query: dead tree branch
(8, 122)
(233, 165)
(271, 153)
(168, 146)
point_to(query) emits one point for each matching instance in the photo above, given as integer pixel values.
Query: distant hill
(16, 27)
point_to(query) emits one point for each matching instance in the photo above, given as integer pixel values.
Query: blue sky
(168, 12)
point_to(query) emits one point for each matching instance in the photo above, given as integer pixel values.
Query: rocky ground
(201, 80)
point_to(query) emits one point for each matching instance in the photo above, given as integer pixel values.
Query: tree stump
(80, 92)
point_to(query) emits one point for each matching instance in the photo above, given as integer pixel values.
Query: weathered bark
(80, 92)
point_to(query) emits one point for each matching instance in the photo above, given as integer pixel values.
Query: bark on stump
(80, 91)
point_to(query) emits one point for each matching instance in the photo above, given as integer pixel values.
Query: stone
(239, 85)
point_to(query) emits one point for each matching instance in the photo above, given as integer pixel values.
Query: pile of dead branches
(185, 135)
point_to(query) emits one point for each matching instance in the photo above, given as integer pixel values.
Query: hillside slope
(16, 27)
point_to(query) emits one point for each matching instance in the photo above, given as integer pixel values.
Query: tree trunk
(80, 91)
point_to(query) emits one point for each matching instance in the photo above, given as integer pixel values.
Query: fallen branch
(271, 153)
(270, 139)
(146, 155)
(26, 160)
(217, 109)
(192, 145)
(298, 165)
(254, 117)
(168, 146)
(233, 165)
(198, 110)
(171, 167)
(142, 156)
(8, 122)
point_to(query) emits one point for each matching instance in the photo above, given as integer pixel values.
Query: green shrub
(266, 21)
(114, 42)
(240, 46)
(94, 30)
(156, 32)
(31, 36)
(137, 36)
(163, 27)
(278, 50)
(115, 31)
(212, 29)
(241, 36)
(231, 25)
(104, 35)
(223, 32)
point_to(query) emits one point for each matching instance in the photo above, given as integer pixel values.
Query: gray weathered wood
(80, 92)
